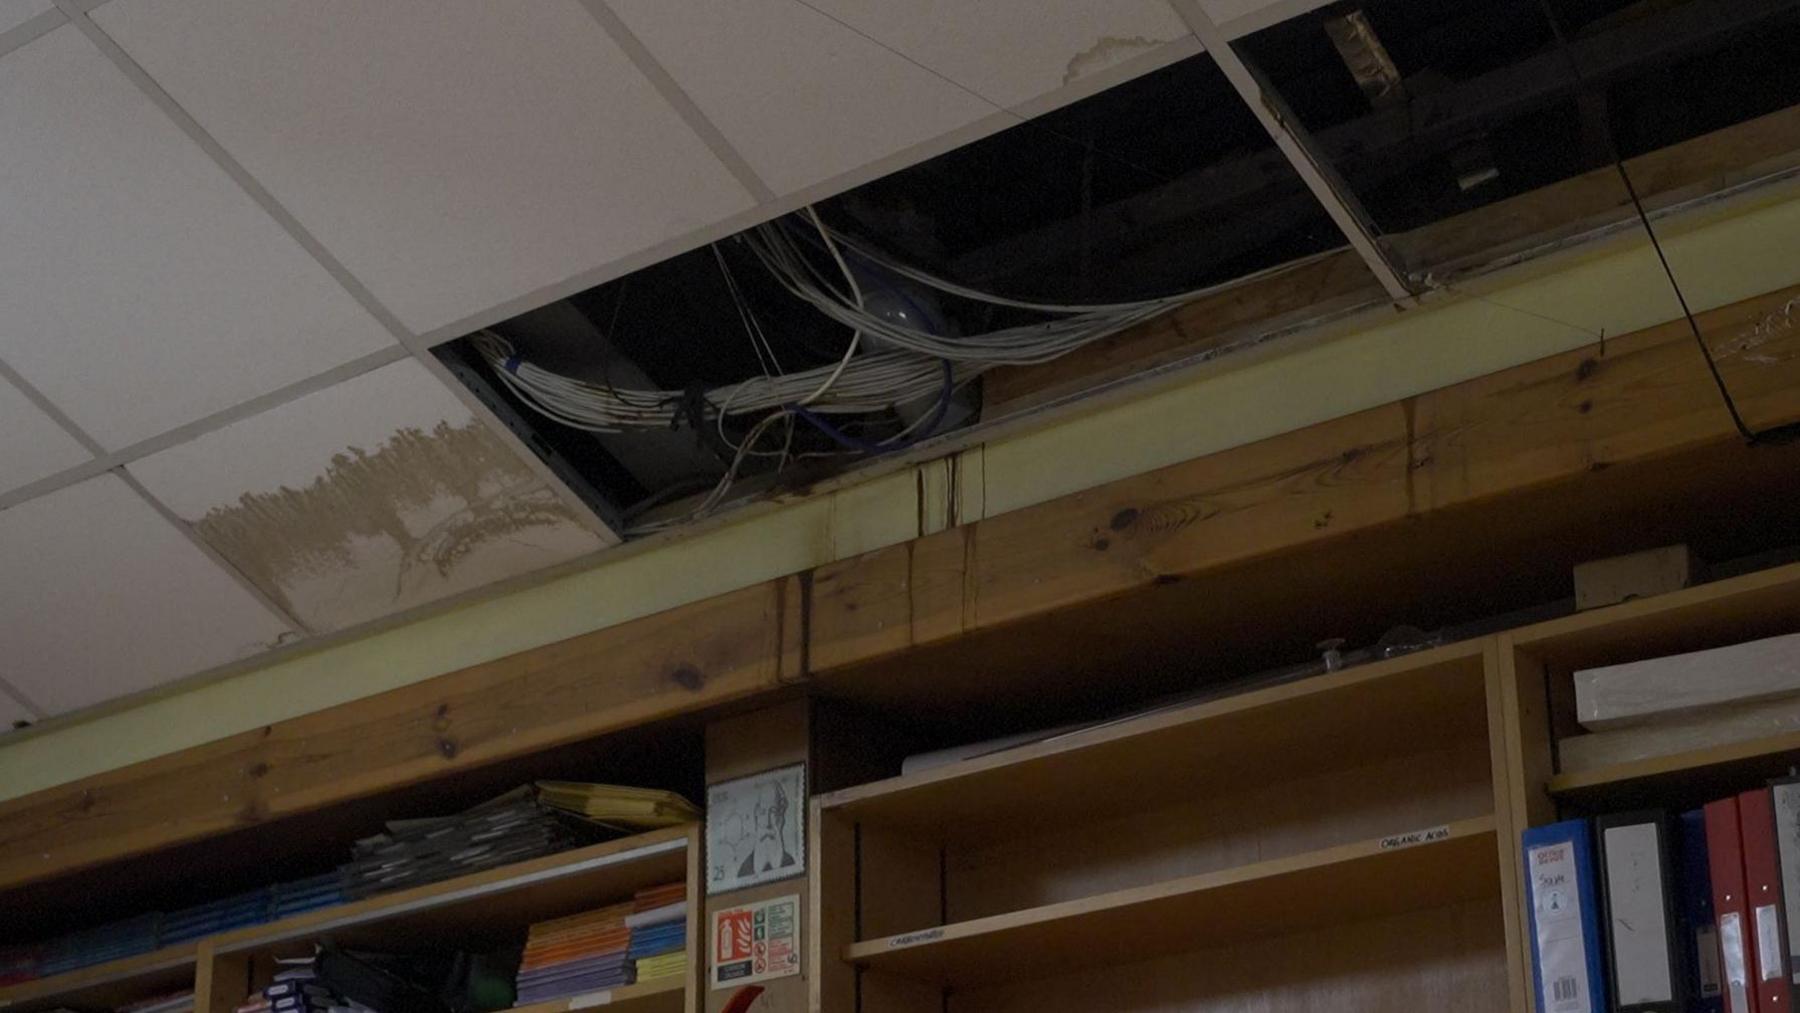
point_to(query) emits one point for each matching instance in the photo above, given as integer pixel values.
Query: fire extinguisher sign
(756, 942)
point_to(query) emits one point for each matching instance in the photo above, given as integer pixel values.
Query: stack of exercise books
(176, 1002)
(658, 924)
(113, 941)
(580, 953)
(216, 916)
(616, 807)
(511, 828)
(302, 895)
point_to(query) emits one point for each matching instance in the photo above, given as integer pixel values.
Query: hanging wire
(1778, 434)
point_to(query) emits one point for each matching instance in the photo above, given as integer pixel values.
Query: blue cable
(857, 443)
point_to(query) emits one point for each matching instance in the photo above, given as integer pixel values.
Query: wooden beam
(1710, 163)
(1548, 422)
(682, 660)
(1334, 284)
(1021, 598)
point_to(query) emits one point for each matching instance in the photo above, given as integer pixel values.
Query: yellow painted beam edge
(1720, 261)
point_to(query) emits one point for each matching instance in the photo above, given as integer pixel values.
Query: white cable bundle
(907, 366)
(867, 383)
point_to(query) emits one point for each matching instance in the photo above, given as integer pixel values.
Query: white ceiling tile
(453, 154)
(104, 597)
(1241, 17)
(143, 288)
(32, 445)
(1012, 51)
(11, 712)
(368, 497)
(14, 13)
(802, 97)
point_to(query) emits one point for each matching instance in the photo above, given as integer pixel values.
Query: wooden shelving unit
(1344, 883)
(1536, 669)
(1343, 843)
(1358, 802)
(665, 996)
(110, 984)
(474, 909)
(477, 912)
(1736, 762)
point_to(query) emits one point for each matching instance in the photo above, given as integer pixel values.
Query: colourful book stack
(576, 954)
(658, 923)
(99, 945)
(216, 916)
(301, 895)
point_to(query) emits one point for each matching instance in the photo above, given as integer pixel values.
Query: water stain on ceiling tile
(396, 496)
(1107, 51)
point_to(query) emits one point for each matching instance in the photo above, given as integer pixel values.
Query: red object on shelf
(1725, 858)
(742, 998)
(1766, 929)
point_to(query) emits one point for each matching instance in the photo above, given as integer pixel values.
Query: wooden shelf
(1348, 883)
(113, 983)
(1401, 706)
(665, 995)
(1730, 766)
(471, 908)
(1760, 604)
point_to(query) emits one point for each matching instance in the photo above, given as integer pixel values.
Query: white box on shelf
(1718, 726)
(1643, 691)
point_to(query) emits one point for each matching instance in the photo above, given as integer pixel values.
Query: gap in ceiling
(1430, 112)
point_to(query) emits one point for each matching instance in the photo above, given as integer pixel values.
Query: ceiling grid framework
(877, 93)
(350, 284)
(1297, 147)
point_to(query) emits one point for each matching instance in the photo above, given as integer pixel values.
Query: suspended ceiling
(234, 232)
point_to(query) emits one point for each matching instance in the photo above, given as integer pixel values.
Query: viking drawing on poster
(754, 829)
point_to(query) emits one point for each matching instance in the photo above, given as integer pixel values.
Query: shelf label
(915, 938)
(1417, 837)
(600, 998)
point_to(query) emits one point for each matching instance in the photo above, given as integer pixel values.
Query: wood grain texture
(1554, 427)
(1429, 701)
(738, 746)
(494, 903)
(222, 981)
(1706, 164)
(115, 983)
(831, 911)
(1449, 958)
(1503, 775)
(1030, 597)
(1195, 834)
(664, 996)
(685, 659)
(1277, 897)
(1332, 284)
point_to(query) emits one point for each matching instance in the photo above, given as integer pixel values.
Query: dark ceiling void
(1494, 98)
(867, 324)
(1159, 187)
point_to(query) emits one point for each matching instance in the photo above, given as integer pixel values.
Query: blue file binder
(1566, 952)
(1699, 926)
